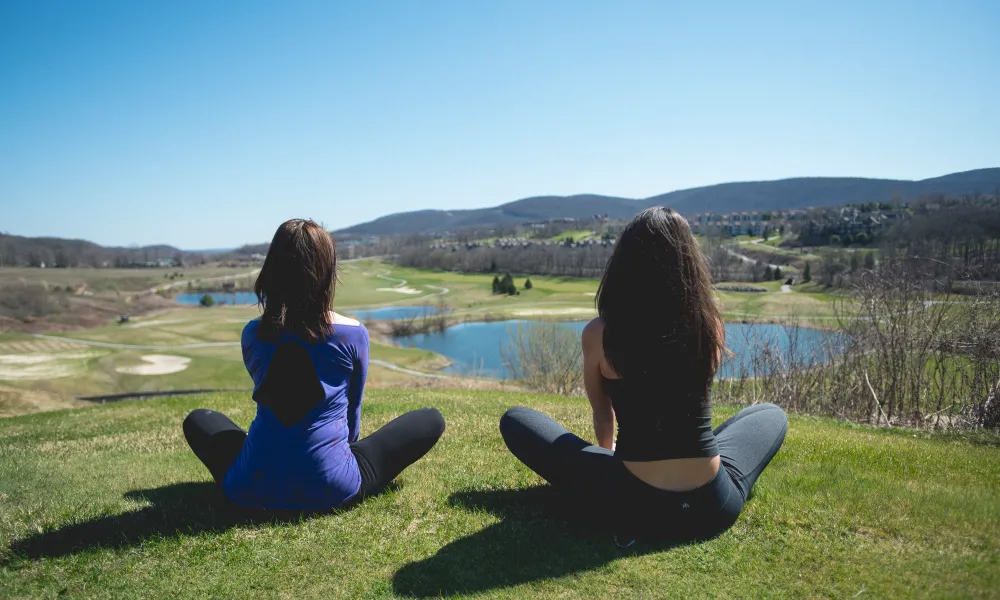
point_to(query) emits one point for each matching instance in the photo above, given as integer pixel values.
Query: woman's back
(309, 367)
(297, 452)
(648, 364)
(664, 433)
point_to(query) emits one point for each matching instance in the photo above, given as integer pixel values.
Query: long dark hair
(662, 327)
(295, 286)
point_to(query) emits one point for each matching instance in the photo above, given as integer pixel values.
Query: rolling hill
(801, 192)
(17, 250)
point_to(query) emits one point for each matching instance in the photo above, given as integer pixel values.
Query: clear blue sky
(205, 124)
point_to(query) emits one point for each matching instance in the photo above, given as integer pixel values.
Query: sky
(207, 124)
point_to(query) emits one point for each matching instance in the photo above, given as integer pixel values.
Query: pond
(235, 298)
(391, 312)
(474, 348)
(366, 315)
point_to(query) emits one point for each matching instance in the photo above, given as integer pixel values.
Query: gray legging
(593, 476)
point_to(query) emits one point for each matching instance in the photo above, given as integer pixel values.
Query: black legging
(594, 477)
(381, 456)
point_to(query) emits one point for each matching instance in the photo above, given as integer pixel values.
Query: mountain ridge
(779, 194)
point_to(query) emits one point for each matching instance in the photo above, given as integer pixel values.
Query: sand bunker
(399, 290)
(538, 312)
(157, 364)
(590, 293)
(27, 367)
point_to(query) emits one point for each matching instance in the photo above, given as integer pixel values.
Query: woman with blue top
(304, 449)
(648, 360)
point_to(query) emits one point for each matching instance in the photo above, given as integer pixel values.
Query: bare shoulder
(339, 319)
(593, 333)
(593, 348)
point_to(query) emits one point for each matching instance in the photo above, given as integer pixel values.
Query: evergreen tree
(777, 273)
(768, 273)
(870, 261)
(207, 300)
(807, 273)
(855, 263)
(527, 284)
(507, 285)
(496, 284)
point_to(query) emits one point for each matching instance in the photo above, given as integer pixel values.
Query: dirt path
(401, 284)
(747, 259)
(399, 369)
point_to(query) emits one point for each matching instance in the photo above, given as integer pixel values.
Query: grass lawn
(577, 235)
(107, 501)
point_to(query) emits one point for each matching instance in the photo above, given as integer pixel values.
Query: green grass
(577, 235)
(109, 502)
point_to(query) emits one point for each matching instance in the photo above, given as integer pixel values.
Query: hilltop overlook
(843, 511)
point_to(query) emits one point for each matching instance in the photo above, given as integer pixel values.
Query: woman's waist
(675, 474)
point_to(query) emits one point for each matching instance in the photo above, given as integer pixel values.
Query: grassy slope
(108, 501)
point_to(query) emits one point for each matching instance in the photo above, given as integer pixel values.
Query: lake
(391, 312)
(366, 315)
(474, 348)
(235, 298)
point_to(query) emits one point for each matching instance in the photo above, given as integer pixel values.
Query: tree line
(588, 261)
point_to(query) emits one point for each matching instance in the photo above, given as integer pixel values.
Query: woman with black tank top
(649, 360)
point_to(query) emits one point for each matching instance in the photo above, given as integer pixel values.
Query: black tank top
(678, 426)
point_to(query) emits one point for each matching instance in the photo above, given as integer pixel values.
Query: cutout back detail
(291, 387)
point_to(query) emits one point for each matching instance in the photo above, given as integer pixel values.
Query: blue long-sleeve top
(308, 463)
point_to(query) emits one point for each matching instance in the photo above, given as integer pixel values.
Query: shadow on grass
(540, 536)
(178, 509)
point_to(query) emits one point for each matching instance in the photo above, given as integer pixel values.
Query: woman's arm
(593, 382)
(356, 389)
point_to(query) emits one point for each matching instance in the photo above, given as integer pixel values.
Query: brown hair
(295, 286)
(662, 327)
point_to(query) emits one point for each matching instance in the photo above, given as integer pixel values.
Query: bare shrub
(901, 354)
(30, 301)
(545, 357)
(435, 323)
(788, 372)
